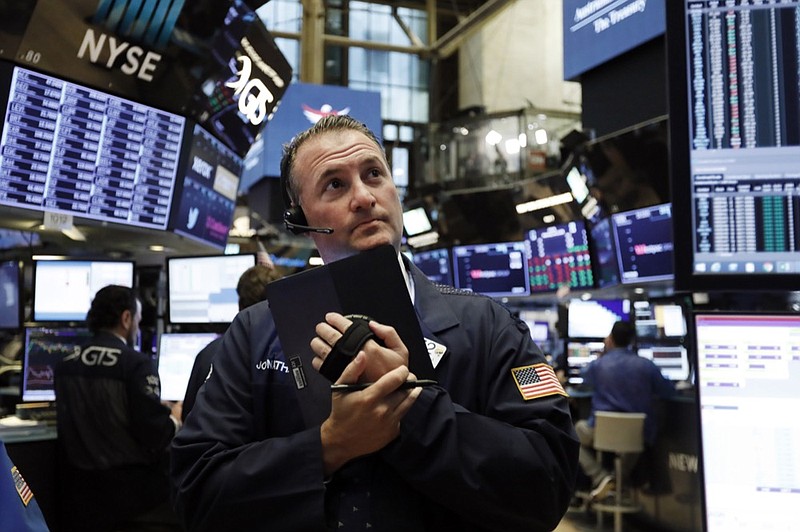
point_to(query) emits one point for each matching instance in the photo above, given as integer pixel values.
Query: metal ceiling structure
(462, 18)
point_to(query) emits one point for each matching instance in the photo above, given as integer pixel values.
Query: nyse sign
(107, 50)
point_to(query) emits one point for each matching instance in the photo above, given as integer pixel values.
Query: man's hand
(364, 422)
(379, 359)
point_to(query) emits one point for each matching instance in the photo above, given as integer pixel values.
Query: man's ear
(126, 318)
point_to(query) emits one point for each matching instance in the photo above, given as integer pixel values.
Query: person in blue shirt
(621, 381)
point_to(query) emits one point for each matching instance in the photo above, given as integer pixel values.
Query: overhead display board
(71, 149)
(211, 61)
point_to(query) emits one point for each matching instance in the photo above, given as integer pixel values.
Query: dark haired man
(621, 381)
(492, 447)
(113, 430)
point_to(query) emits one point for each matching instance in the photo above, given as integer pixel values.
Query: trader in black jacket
(113, 430)
(490, 448)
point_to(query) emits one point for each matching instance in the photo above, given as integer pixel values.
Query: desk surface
(26, 433)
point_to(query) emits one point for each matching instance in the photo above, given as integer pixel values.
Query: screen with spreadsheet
(496, 270)
(176, 354)
(435, 264)
(71, 149)
(748, 382)
(734, 94)
(558, 255)
(643, 239)
(202, 289)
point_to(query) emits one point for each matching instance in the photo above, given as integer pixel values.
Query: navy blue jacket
(472, 454)
(113, 433)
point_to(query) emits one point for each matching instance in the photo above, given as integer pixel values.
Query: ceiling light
(493, 138)
(540, 136)
(544, 203)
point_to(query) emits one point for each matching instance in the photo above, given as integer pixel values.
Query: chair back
(619, 432)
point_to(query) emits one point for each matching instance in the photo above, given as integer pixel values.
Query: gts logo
(95, 355)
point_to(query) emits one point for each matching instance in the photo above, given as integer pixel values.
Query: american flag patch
(538, 380)
(24, 491)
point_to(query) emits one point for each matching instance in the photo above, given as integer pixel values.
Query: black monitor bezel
(685, 278)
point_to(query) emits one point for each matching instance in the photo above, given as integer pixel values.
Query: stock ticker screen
(559, 255)
(496, 270)
(75, 150)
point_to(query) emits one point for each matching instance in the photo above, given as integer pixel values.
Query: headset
(293, 216)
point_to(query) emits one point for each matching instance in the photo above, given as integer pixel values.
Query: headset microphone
(293, 217)
(290, 218)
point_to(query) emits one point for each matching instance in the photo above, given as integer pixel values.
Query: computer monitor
(659, 320)
(416, 221)
(10, 305)
(748, 389)
(672, 360)
(594, 318)
(435, 264)
(643, 241)
(71, 149)
(202, 289)
(558, 255)
(734, 144)
(496, 270)
(63, 289)
(579, 355)
(208, 189)
(176, 354)
(44, 348)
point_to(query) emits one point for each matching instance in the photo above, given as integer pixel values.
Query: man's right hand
(364, 421)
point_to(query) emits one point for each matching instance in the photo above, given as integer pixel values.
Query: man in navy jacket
(491, 447)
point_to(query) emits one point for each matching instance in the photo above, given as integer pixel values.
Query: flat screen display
(435, 264)
(735, 143)
(416, 221)
(643, 240)
(595, 32)
(748, 382)
(540, 329)
(44, 348)
(579, 355)
(10, 305)
(210, 184)
(672, 360)
(659, 320)
(63, 289)
(202, 289)
(496, 270)
(558, 255)
(176, 354)
(604, 254)
(71, 149)
(594, 318)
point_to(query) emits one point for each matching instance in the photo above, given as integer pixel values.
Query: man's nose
(362, 196)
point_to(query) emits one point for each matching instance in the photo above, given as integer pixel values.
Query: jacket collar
(431, 307)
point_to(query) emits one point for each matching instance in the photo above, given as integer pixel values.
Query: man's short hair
(325, 125)
(108, 305)
(622, 333)
(252, 285)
